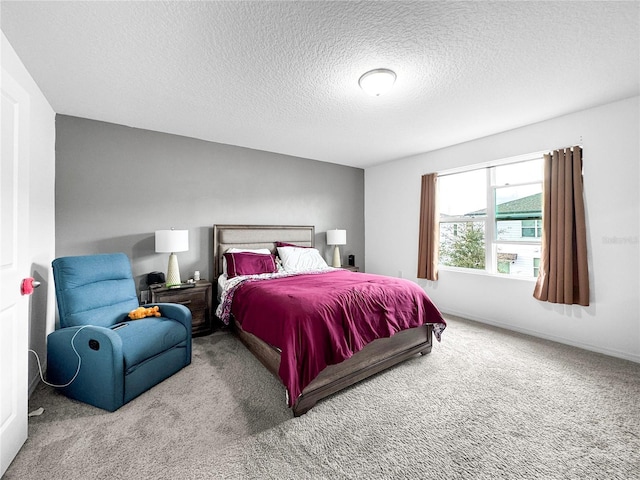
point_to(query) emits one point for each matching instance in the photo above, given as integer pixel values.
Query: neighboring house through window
(491, 218)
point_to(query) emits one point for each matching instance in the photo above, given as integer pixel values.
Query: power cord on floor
(77, 370)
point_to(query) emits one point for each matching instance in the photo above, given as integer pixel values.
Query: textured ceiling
(283, 76)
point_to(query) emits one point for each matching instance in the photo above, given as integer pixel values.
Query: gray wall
(116, 185)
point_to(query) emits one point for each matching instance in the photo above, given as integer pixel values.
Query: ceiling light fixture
(377, 82)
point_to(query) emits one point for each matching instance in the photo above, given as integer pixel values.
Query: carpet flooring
(485, 404)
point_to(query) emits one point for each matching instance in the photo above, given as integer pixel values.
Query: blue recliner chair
(118, 358)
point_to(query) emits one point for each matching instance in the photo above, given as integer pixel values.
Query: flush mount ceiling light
(377, 82)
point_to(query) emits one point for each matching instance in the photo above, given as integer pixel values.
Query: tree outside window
(462, 245)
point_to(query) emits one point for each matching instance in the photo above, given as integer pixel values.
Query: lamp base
(336, 257)
(173, 272)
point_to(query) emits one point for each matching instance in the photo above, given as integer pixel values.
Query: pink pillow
(246, 263)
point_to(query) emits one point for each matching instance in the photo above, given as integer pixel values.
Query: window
(491, 218)
(532, 228)
(536, 266)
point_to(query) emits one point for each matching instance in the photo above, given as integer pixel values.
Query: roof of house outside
(524, 207)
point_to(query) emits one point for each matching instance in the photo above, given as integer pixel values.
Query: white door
(14, 236)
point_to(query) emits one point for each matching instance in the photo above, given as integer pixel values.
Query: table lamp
(172, 241)
(336, 237)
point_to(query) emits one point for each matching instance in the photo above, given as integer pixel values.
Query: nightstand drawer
(197, 299)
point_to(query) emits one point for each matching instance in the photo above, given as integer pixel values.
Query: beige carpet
(485, 404)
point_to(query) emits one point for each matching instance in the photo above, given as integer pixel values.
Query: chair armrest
(100, 380)
(177, 312)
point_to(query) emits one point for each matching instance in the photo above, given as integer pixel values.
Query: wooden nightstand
(197, 299)
(351, 268)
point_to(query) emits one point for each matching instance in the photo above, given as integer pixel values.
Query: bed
(327, 375)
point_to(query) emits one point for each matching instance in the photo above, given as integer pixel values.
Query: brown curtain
(563, 277)
(429, 229)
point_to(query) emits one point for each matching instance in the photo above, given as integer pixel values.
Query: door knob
(28, 285)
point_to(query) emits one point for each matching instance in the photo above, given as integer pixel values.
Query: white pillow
(296, 259)
(264, 251)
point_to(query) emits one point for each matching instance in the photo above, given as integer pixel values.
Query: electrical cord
(77, 370)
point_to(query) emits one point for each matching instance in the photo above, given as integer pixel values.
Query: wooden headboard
(257, 236)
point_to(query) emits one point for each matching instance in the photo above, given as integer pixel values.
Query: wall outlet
(400, 274)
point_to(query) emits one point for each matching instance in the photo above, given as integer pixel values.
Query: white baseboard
(553, 338)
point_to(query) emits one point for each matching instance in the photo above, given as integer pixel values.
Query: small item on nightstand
(196, 275)
(182, 286)
(155, 277)
(351, 260)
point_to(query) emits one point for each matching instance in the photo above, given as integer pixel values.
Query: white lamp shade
(377, 82)
(336, 237)
(169, 241)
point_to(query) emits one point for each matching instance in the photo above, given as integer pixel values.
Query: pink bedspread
(321, 319)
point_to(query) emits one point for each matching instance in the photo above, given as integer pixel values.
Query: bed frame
(374, 358)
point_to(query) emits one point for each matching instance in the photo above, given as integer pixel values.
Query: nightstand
(197, 299)
(351, 268)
